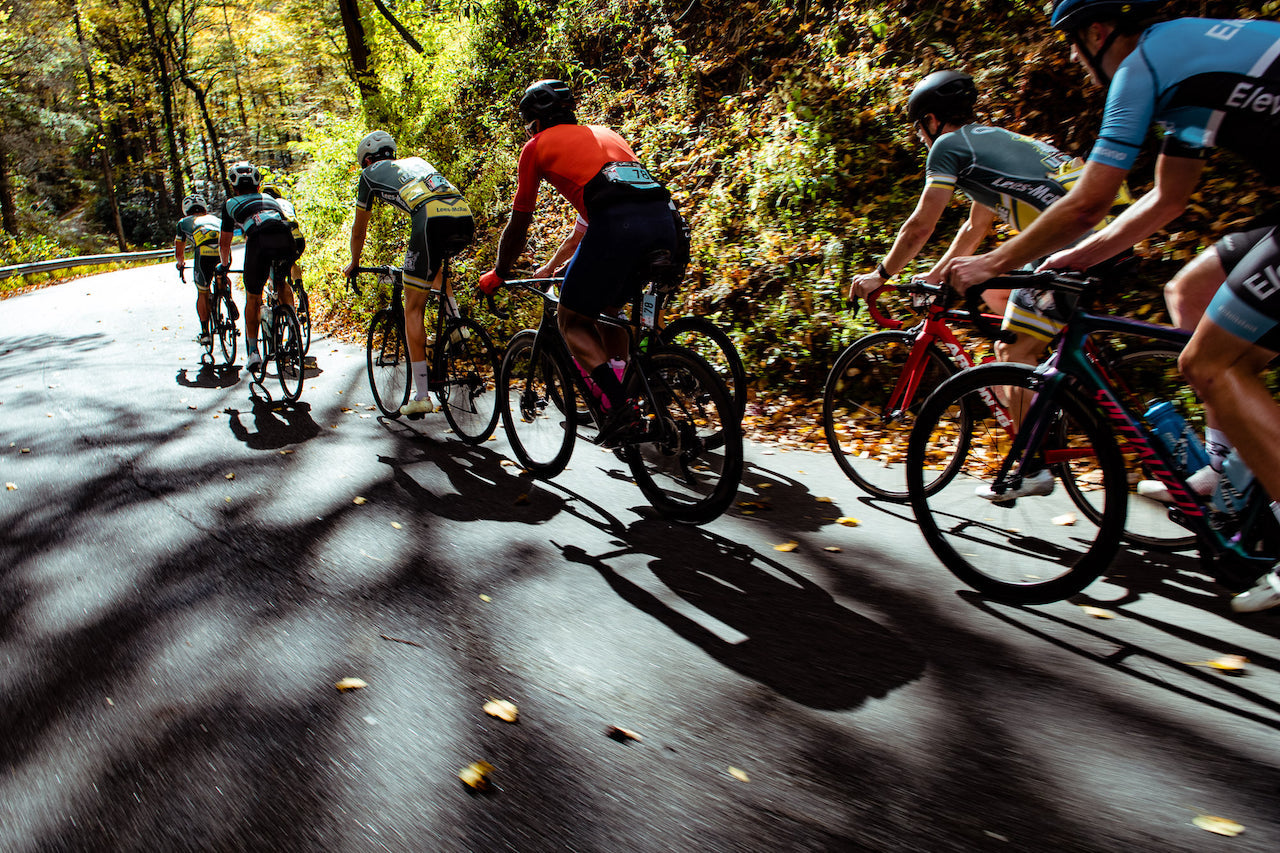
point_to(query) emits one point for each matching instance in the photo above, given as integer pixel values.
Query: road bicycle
(686, 451)
(222, 322)
(280, 340)
(301, 302)
(703, 337)
(877, 385)
(1077, 425)
(462, 362)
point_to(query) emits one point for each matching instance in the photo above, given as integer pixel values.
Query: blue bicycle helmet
(1070, 15)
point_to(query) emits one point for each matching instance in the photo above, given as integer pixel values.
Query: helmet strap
(1094, 59)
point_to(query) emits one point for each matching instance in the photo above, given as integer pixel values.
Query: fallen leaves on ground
(1097, 612)
(622, 735)
(848, 521)
(231, 475)
(787, 546)
(502, 709)
(1229, 664)
(350, 683)
(1067, 519)
(740, 775)
(10, 486)
(359, 501)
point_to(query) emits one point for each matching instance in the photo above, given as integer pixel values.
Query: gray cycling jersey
(404, 184)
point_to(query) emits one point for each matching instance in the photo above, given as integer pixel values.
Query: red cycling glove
(490, 282)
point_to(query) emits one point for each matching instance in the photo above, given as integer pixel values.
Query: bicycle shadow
(1123, 650)
(276, 424)
(795, 638)
(788, 503)
(209, 376)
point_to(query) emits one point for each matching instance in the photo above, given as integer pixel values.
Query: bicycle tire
(287, 339)
(689, 466)
(869, 442)
(709, 341)
(535, 398)
(266, 340)
(228, 334)
(469, 365)
(304, 314)
(387, 363)
(1144, 373)
(1030, 551)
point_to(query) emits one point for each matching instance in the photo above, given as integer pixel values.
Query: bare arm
(514, 238)
(180, 250)
(912, 236)
(359, 231)
(1176, 179)
(224, 247)
(967, 239)
(562, 255)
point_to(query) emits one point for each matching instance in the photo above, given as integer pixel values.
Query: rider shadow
(1122, 654)
(209, 376)
(782, 502)
(275, 424)
(795, 638)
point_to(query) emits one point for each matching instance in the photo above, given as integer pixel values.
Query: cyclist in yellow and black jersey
(199, 228)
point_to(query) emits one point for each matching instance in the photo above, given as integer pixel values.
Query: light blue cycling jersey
(1206, 83)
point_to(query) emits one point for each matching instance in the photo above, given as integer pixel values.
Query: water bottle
(1234, 486)
(1177, 437)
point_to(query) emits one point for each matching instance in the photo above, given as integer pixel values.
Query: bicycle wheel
(1033, 550)
(387, 360)
(287, 335)
(535, 397)
(868, 407)
(266, 340)
(470, 369)
(709, 341)
(304, 314)
(690, 463)
(228, 335)
(1142, 374)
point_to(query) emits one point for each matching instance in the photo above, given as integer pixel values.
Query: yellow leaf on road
(350, 683)
(476, 775)
(620, 734)
(832, 548)
(397, 525)
(1218, 825)
(359, 501)
(1067, 519)
(231, 475)
(848, 521)
(1097, 612)
(787, 546)
(823, 500)
(740, 775)
(502, 709)
(11, 486)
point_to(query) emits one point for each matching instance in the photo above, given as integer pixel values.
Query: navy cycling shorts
(607, 269)
(1248, 304)
(269, 244)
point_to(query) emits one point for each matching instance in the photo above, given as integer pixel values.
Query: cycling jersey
(200, 232)
(249, 212)
(589, 165)
(1206, 83)
(291, 217)
(1016, 176)
(268, 238)
(442, 224)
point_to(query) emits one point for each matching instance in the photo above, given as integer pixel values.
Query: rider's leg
(252, 314)
(202, 309)
(591, 347)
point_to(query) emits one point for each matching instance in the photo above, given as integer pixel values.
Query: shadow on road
(275, 424)
(209, 376)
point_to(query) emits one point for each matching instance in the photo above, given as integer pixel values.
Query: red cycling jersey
(568, 156)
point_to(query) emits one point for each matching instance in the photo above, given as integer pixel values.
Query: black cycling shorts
(268, 244)
(441, 229)
(203, 267)
(609, 266)
(1248, 304)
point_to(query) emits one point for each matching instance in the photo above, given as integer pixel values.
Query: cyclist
(441, 225)
(291, 217)
(1005, 175)
(200, 228)
(268, 242)
(628, 216)
(1206, 83)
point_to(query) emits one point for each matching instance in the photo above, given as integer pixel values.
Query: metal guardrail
(82, 261)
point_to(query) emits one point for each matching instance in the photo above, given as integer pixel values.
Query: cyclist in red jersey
(628, 213)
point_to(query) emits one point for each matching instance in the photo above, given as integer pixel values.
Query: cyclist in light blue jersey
(1205, 83)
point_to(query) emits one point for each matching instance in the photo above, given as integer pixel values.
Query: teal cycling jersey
(406, 184)
(1206, 83)
(1016, 176)
(250, 212)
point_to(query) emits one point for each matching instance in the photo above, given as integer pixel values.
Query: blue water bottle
(1234, 486)
(1177, 436)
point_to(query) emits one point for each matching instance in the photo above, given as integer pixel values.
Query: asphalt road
(185, 573)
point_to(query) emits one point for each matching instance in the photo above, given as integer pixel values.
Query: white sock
(1217, 445)
(419, 379)
(1275, 509)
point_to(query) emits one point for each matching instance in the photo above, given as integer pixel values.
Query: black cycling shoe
(625, 424)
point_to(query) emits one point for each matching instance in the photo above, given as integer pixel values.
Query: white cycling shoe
(425, 406)
(1264, 594)
(1033, 486)
(253, 361)
(1202, 482)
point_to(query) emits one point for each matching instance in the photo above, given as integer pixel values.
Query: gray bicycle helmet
(379, 145)
(194, 202)
(244, 177)
(548, 101)
(947, 95)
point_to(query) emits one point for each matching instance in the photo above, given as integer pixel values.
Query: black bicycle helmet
(1072, 15)
(379, 145)
(194, 202)
(244, 177)
(548, 101)
(946, 94)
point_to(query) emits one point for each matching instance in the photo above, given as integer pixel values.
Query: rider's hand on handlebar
(864, 285)
(963, 273)
(490, 283)
(182, 270)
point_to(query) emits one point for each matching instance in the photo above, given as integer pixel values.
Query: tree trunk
(166, 96)
(104, 156)
(404, 34)
(358, 48)
(8, 211)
